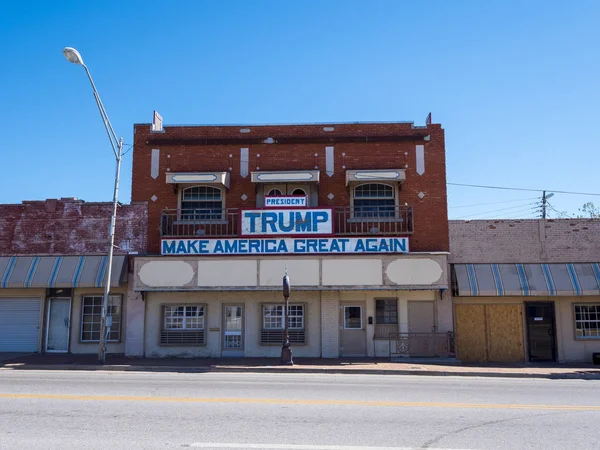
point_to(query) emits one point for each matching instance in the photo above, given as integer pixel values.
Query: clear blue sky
(514, 83)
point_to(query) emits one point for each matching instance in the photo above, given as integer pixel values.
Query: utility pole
(543, 204)
(545, 198)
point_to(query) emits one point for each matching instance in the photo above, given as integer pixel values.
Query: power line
(128, 150)
(522, 189)
(495, 203)
(518, 208)
(560, 213)
(523, 216)
(505, 214)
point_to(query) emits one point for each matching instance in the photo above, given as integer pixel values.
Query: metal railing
(382, 220)
(422, 344)
(200, 222)
(347, 221)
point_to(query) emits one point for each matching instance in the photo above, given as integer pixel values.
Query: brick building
(526, 290)
(52, 269)
(356, 212)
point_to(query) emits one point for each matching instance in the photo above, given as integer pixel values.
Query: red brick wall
(70, 227)
(184, 149)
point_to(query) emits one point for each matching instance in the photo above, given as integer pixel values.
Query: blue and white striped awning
(59, 271)
(527, 279)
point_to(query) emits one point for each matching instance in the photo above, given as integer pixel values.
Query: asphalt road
(100, 410)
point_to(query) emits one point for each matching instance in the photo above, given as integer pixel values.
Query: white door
(353, 337)
(59, 318)
(233, 330)
(19, 324)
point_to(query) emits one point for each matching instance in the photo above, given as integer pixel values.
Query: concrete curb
(431, 373)
(297, 370)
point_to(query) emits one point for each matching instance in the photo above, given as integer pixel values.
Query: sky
(515, 84)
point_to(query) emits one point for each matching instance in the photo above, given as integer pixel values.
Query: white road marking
(216, 445)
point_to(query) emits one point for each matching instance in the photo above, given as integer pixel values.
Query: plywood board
(470, 333)
(505, 333)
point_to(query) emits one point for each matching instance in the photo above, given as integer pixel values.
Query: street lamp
(286, 349)
(73, 56)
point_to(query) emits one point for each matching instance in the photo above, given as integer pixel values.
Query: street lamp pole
(286, 349)
(73, 56)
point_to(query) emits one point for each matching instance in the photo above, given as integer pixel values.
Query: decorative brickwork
(293, 147)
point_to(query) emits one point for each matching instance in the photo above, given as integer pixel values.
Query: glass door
(233, 327)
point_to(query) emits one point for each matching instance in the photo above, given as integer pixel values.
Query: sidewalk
(375, 366)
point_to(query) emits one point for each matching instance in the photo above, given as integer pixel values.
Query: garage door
(19, 324)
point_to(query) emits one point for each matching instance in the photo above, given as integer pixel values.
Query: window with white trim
(91, 314)
(183, 324)
(274, 192)
(272, 329)
(374, 200)
(587, 321)
(202, 203)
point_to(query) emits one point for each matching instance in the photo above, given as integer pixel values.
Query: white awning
(284, 176)
(220, 178)
(361, 176)
(60, 271)
(527, 279)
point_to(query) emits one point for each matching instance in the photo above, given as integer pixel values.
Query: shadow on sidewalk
(90, 362)
(374, 366)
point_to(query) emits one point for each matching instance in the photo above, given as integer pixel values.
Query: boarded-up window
(489, 332)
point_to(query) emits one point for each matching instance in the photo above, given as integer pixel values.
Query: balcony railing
(422, 344)
(198, 223)
(347, 220)
(382, 220)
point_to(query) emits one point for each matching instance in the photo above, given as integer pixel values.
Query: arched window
(299, 192)
(201, 203)
(374, 200)
(274, 192)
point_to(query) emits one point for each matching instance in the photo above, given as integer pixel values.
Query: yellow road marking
(274, 401)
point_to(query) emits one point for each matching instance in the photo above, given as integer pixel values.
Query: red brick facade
(365, 145)
(70, 227)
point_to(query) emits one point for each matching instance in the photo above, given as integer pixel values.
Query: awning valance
(59, 271)
(286, 176)
(526, 279)
(220, 178)
(364, 176)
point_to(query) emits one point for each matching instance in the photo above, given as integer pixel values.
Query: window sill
(587, 338)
